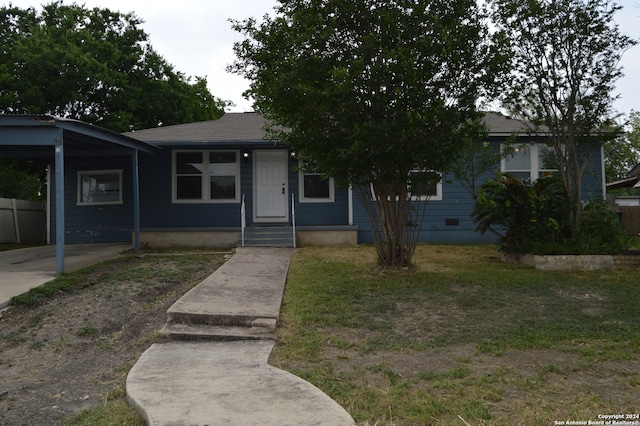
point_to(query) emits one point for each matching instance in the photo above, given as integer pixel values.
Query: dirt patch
(492, 354)
(511, 384)
(67, 354)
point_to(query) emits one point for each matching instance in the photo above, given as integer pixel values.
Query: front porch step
(227, 320)
(216, 333)
(183, 326)
(268, 236)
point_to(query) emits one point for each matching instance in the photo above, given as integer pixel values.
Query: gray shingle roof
(249, 127)
(231, 127)
(499, 124)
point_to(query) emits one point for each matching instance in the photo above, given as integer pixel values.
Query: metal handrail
(243, 220)
(293, 217)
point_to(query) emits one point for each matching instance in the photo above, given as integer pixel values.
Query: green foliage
(622, 154)
(93, 65)
(389, 347)
(65, 283)
(566, 60)
(367, 91)
(22, 180)
(600, 230)
(115, 411)
(536, 218)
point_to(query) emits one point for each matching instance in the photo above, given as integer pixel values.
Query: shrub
(535, 218)
(600, 230)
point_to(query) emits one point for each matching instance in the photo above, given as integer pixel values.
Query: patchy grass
(66, 348)
(113, 272)
(114, 412)
(16, 246)
(462, 337)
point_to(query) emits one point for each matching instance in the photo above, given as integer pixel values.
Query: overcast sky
(195, 36)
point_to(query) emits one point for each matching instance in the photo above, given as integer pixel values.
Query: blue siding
(446, 221)
(457, 205)
(99, 223)
(592, 188)
(318, 214)
(160, 212)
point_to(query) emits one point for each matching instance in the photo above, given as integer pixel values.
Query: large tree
(21, 179)
(566, 60)
(378, 94)
(94, 65)
(622, 154)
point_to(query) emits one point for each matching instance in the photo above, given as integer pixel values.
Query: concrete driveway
(23, 269)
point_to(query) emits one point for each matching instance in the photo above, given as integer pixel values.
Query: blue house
(221, 182)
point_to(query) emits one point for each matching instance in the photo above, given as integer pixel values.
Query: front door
(271, 185)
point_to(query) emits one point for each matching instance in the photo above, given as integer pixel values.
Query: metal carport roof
(46, 137)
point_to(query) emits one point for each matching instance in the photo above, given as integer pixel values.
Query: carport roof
(34, 135)
(47, 137)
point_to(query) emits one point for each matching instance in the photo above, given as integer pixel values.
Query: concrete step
(176, 317)
(268, 236)
(240, 300)
(216, 333)
(189, 326)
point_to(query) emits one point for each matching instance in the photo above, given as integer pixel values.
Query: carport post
(59, 165)
(136, 202)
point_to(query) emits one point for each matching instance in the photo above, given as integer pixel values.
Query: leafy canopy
(534, 217)
(368, 91)
(622, 154)
(566, 60)
(93, 65)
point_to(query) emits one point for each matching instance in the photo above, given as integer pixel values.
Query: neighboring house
(628, 207)
(631, 180)
(189, 184)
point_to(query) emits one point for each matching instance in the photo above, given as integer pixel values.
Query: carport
(51, 140)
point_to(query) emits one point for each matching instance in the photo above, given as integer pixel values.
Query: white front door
(271, 185)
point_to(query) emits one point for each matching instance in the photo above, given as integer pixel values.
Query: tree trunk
(394, 222)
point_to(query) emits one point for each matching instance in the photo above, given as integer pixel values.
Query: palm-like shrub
(534, 217)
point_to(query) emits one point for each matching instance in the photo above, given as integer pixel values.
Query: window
(99, 187)
(518, 164)
(546, 160)
(316, 188)
(529, 161)
(427, 186)
(206, 176)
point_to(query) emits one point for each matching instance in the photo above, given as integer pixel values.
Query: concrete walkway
(223, 378)
(24, 269)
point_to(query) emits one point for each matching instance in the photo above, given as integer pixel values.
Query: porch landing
(323, 235)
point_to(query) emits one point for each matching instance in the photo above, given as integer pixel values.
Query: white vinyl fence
(22, 221)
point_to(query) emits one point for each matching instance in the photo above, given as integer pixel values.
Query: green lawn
(462, 338)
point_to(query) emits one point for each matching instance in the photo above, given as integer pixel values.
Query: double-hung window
(315, 187)
(423, 185)
(206, 176)
(529, 161)
(99, 187)
(427, 185)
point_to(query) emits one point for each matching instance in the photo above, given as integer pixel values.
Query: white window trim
(303, 199)
(206, 182)
(82, 173)
(534, 159)
(437, 197)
